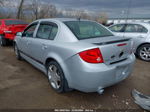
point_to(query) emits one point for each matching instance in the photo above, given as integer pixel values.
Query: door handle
(44, 46)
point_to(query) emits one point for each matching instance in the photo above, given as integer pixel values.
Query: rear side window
(14, 22)
(117, 28)
(87, 29)
(53, 32)
(47, 31)
(135, 28)
(44, 31)
(29, 31)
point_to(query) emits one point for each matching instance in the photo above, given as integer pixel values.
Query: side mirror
(19, 34)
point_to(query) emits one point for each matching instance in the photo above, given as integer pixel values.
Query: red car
(9, 28)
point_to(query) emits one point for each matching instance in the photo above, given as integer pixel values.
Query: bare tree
(41, 10)
(102, 18)
(20, 9)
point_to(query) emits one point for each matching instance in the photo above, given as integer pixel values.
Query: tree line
(30, 10)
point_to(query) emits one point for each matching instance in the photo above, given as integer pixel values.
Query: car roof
(62, 19)
(140, 23)
(143, 23)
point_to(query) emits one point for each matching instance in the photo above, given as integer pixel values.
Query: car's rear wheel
(18, 56)
(144, 52)
(56, 77)
(2, 41)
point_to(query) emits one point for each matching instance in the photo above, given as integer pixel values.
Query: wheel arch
(62, 64)
(141, 45)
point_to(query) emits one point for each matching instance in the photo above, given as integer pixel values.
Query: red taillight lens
(92, 56)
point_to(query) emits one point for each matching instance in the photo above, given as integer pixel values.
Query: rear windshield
(87, 29)
(14, 22)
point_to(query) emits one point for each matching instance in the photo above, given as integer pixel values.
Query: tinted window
(30, 31)
(14, 22)
(135, 28)
(117, 28)
(0, 22)
(47, 31)
(44, 31)
(53, 32)
(87, 29)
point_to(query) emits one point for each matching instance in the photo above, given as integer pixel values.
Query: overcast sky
(114, 8)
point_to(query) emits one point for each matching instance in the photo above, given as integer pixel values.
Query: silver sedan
(140, 32)
(76, 54)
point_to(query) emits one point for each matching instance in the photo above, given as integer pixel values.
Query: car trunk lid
(114, 49)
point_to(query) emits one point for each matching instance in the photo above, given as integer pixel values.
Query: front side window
(29, 31)
(117, 28)
(135, 28)
(87, 29)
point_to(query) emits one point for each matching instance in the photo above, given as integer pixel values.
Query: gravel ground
(24, 87)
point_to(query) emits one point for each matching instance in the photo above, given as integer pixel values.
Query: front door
(25, 44)
(42, 41)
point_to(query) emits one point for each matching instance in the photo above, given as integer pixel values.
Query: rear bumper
(90, 77)
(10, 36)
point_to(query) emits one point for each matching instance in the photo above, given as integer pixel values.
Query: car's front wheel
(17, 52)
(56, 77)
(2, 41)
(144, 52)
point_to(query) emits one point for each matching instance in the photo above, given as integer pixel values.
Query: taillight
(92, 56)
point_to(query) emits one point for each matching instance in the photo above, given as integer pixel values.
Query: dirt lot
(24, 87)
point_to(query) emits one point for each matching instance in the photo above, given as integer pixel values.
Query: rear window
(14, 22)
(87, 29)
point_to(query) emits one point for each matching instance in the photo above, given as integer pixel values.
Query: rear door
(44, 37)
(24, 43)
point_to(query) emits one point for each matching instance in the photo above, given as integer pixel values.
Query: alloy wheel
(54, 77)
(145, 53)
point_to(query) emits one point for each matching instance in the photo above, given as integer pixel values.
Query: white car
(140, 32)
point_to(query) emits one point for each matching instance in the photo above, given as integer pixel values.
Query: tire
(56, 77)
(143, 52)
(18, 56)
(3, 41)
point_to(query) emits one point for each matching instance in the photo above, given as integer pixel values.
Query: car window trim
(32, 24)
(47, 23)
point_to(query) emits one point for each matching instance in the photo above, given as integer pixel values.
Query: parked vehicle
(140, 32)
(9, 28)
(76, 54)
